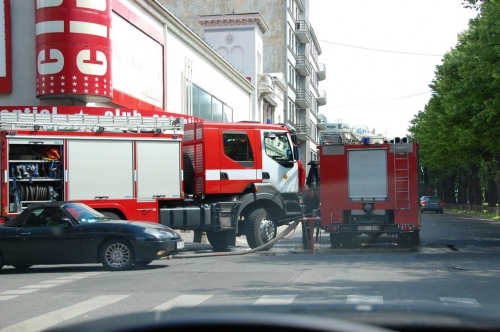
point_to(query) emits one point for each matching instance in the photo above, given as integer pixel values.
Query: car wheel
(117, 255)
(22, 267)
(441, 212)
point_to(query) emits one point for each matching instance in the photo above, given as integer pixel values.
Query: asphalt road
(456, 264)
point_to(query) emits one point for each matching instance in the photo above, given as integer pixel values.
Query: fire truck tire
(220, 240)
(259, 228)
(111, 215)
(117, 255)
(414, 239)
(346, 240)
(188, 174)
(1, 260)
(334, 241)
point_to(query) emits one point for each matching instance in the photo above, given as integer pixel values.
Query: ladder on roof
(96, 123)
(402, 176)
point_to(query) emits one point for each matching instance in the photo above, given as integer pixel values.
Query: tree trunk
(476, 185)
(462, 187)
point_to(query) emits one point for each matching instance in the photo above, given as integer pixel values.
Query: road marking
(18, 291)
(71, 277)
(39, 286)
(54, 281)
(275, 299)
(182, 301)
(365, 299)
(7, 297)
(460, 302)
(50, 319)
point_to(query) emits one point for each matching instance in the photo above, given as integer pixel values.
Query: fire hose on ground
(250, 251)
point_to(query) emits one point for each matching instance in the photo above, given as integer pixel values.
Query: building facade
(113, 54)
(290, 47)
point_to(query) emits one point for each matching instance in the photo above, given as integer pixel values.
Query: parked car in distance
(74, 233)
(431, 203)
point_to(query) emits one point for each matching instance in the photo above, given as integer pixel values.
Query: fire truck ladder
(96, 123)
(402, 176)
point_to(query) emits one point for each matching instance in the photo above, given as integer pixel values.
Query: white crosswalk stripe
(183, 301)
(275, 299)
(365, 299)
(50, 319)
(460, 302)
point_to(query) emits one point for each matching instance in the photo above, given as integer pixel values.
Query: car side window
(33, 219)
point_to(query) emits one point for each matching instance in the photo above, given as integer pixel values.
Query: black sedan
(71, 233)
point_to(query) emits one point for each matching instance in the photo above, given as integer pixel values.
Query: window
(237, 147)
(208, 107)
(278, 147)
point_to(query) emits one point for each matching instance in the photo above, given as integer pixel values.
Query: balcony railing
(302, 130)
(321, 71)
(302, 32)
(303, 98)
(303, 66)
(321, 99)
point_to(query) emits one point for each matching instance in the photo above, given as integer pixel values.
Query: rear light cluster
(405, 227)
(440, 203)
(424, 203)
(332, 228)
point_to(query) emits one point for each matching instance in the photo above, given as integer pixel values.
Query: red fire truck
(225, 179)
(369, 188)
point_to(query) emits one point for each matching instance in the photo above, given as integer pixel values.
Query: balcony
(303, 66)
(264, 84)
(302, 130)
(321, 73)
(321, 99)
(303, 98)
(302, 32)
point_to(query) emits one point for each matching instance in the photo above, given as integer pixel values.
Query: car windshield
(266, 162)
(83, 214)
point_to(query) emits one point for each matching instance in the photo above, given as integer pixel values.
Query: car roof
(18, 220)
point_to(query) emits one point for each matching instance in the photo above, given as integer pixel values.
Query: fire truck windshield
(278, 147)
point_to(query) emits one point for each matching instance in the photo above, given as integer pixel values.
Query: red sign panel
(73, 49)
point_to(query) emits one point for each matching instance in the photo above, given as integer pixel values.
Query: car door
(43, 244)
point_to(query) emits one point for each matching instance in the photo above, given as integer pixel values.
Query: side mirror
(296, 152)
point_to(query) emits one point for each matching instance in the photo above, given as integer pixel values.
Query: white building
(139, 54)
(289, 47)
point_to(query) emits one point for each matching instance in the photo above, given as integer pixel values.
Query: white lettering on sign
(34, 110)
(89, 66)
(52, 65)
(92, 4)
(48, 3)
(49, 27)
(88, 28)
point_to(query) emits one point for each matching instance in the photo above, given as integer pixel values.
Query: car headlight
(153, 232)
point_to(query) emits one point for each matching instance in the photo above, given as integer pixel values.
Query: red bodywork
(402, 188)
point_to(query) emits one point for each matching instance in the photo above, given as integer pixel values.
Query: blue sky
(383, 90)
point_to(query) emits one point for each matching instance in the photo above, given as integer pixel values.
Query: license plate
(180, 245)
(368, 228)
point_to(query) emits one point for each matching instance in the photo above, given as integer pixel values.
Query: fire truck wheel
(117, 255)
(346, 240)
(334, 240)
(414, 239)
(259, 228)
(221, 240)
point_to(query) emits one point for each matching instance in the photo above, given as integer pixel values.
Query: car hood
(144, 224)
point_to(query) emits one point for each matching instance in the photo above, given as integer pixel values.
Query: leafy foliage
(457, 130)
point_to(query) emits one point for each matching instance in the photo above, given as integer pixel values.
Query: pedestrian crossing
(52, 318)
